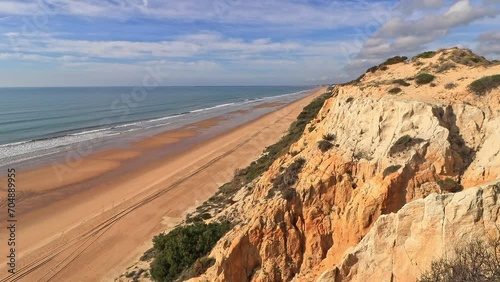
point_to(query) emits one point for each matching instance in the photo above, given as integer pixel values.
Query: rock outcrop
(400, 246)
(386, 151)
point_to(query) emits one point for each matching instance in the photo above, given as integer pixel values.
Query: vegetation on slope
(395, 90)
(424, 78)
(425, 55)
(256, 168)
(477, 261)
(390, 170)
(485, 84)
(182, 253)
(178, 250)
(404, 143)
(468, 58)
(449, 185)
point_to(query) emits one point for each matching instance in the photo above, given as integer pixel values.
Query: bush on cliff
(395, 60)
(390, 170)
(449, 185)
(424, 78)
(425, 55)
(329, 137)
(395, 90)
(404, 143)
(324, 145)
(179, 249)
(485, 84)
(477, 261)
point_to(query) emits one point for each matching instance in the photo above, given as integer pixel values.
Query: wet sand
(90, 222)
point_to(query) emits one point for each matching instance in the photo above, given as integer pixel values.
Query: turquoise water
(35, 120)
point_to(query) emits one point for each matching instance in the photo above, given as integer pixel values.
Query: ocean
(36, 122)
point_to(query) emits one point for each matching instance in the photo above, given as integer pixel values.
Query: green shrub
(395, 90)
(383, 68)
(390, 170)
(329, 137)
(485, 84)
(401, 82)
(450, 85)
(468, 58)
(324, 145)
(372, 69)
(206, 215)
(476, 261)
(404, 143)
(449, 185)
(350, 99)
(177, 250)
(426, 55)
(395, 60)
(424, 78)
(445, 66)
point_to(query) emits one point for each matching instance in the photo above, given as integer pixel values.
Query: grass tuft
(329, 137)
(485, 84)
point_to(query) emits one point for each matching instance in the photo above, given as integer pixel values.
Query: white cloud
(185, 46)
(277, 12)
(403, 35)
(409, 6)
(489, 43)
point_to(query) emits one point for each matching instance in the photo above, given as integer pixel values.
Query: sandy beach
(90, 220)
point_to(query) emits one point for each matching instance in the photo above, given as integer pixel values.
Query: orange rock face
(388, 150)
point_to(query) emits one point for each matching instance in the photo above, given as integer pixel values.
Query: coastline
(98, 209)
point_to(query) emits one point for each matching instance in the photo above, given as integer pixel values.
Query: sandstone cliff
(400, 246)
(381, 151)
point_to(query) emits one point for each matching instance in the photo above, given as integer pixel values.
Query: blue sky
(228, 42)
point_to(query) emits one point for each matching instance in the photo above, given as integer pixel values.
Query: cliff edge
(336, 205)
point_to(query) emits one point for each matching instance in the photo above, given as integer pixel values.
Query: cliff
(401, 245)
(364, 192)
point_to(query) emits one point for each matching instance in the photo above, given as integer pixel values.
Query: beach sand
(90, 222)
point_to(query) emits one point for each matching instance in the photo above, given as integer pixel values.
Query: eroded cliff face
(388, 150)
(401, 245)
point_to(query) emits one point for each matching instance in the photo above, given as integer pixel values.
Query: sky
(228, 42)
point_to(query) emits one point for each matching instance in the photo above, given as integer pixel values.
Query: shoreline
(153, 192)
(35, 152)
